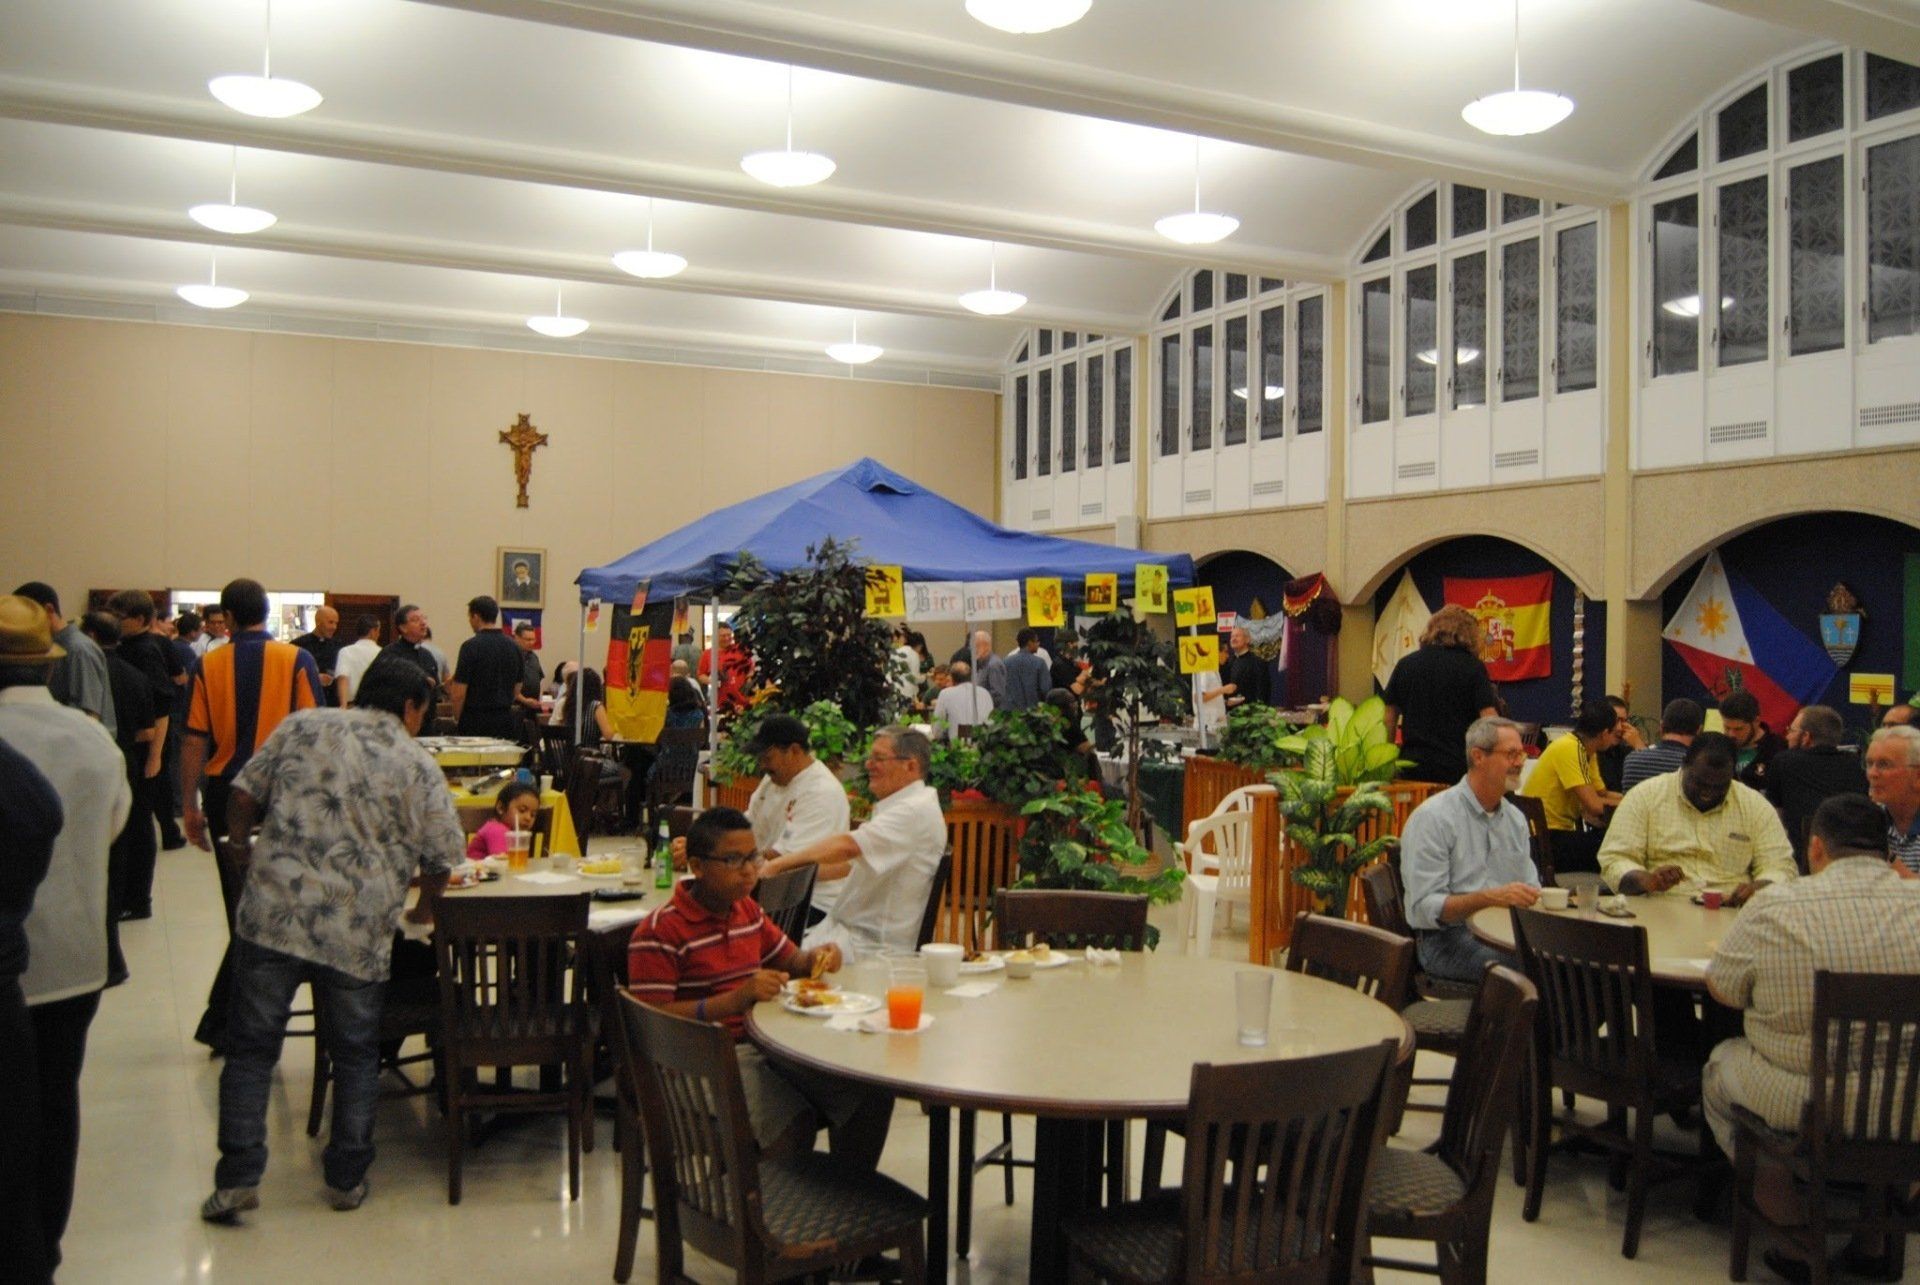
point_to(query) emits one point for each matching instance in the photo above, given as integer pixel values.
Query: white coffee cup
(942, 959)
(1553, 899)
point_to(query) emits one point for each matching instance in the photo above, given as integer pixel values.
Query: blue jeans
(348, 1017)
(1455, 954)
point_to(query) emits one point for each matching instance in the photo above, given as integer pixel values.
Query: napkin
(972, 990)
(545, 876)
(844, 1022)
(876, 1024)
(1097, 957)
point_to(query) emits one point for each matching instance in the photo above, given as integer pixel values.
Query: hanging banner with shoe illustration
(1193, 606)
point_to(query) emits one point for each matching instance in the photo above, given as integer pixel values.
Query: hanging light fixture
(1197, 226)
(1515, 112)
(212, 294)
(559, 325)
(855, 353)
(1688, 305)
(264, 95)
(232, 218)
(1464, 355)
(788, 168)
(649, 263)
(993, 301)
(1028, 17)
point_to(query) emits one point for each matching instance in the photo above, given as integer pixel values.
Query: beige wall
(178, 456)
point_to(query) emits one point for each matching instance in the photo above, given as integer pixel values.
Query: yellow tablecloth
(564, 839)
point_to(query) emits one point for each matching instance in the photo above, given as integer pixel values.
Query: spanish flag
(1516, 616)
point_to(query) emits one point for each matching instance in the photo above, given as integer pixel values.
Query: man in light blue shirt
(1466, 849)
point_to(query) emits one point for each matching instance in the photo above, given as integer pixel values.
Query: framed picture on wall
(521, 575)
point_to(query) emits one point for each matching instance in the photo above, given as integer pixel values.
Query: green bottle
(663, 859)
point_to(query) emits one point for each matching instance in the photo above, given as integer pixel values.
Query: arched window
(1067, 439)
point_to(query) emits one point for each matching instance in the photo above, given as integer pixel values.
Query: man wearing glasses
(1893, 781)
(1466, 849)
(891, 859)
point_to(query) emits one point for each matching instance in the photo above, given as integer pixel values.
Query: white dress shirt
(962, 705)
(809, 808)
(880, 908)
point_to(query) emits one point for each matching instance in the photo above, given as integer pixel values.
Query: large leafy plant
(831, 735)
(1337, 788)
(1134, 678)
(1020, 756)
(1254, 733)
(1075, 838)
(1356, 736)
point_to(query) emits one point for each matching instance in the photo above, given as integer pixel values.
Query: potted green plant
(1076, 838)
(1020, 755)
(1253, 737)
(1134, 678)
(1337, 787)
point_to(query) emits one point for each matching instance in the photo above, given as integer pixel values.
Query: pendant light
(265, 95)
(1514, 112)
(559, 325)
(649, 263)
(232, 218)
(212, 294)
(788, 168)
(1197, 226)
(993, 301)
(855, 353)
(1028, 17)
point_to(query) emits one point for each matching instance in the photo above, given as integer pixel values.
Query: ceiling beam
(93, 107)
(148, 225)
(784, 34)
(1890, 28)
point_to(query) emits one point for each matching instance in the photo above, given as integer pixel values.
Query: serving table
(1074, 1046)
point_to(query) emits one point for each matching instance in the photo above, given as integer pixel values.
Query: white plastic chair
(1218, 853)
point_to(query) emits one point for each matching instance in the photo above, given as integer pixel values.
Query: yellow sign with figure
(1046, 607)
(1149, 587)
(886, 592)
(1193, 606)
(1199, 653)
(1870, 689)
(1103, 592)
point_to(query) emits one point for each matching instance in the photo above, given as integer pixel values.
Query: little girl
(515, 808)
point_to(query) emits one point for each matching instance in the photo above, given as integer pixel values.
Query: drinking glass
(519, 846)
(1253, 1004)
(906, 991)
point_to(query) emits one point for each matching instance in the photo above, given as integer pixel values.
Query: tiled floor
(147, 1157)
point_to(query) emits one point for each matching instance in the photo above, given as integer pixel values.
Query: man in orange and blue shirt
(241, 692)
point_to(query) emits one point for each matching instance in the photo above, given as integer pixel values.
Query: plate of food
(1048, 957)
(980, 961)
(609, 869)
(810, 997)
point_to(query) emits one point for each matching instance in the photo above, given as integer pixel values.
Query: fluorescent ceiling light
(232, 217)
(993, 301)
(212, 294)
(649, 263)
(787, 167)
(559, 325)
(1515, 112)
(1028, 17)
(1196, 226)
(265, 95)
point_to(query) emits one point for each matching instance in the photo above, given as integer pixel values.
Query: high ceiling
(471, 155)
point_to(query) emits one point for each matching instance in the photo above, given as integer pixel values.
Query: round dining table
(1681, 937)
(1074, 1046)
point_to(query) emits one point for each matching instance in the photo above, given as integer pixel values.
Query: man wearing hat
(66, 930)
(798, 802)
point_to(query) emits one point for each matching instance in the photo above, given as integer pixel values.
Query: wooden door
(352, 606)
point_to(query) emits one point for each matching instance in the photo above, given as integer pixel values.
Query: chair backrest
(786, 898)
(1539, 837)
(930, 917)
(508, 977)
(583, 788)
(1595, 1024)
(1278, 1159)
(554, 748)
(1371, 960)
(1380, 888)
(1483, 1094)
(1114, 920)
(677, 761)
(1228, 838)
(706, 1168)
(1865, 1075)
(984, 840)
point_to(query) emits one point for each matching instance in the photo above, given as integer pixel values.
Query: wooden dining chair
(786, 899)
(1859, 1125)
(1437, 1017)
(629, 1134)
(1595, 1037)
(403, 1016)
(1445, 1193)
(936, 892)
(1539, 837)
(1279, 1158)
(768, 1220)
(512, 994)
(1370, 960)
(670, 780)
(596, 794)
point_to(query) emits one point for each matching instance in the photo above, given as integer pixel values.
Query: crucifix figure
(525, 439)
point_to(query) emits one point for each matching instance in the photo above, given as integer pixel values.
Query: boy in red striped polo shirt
(710, 954)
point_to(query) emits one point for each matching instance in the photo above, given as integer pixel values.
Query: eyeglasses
(884, 758)
(735, 861)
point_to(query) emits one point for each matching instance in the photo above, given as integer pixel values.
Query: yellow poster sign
(1193, 606)
(1199, 653)
(1149, 588)
(886, 592)
(1103, 592)
(1870, 689)
(1045, 604)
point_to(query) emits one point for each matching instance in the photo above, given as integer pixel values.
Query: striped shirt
(1905, 844)
(1658, 759)
(1856, 916)
(683, 951)
(243, 691)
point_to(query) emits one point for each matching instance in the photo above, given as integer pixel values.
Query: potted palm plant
(1337, 788)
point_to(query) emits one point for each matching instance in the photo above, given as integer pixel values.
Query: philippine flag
(1733, 639)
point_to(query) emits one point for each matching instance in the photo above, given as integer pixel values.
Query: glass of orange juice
(519, 846)
(906, 990)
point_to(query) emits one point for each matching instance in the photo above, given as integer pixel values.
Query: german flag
(1516, 618)
(639, 665)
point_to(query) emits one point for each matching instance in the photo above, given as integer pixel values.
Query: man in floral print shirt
(349, 808)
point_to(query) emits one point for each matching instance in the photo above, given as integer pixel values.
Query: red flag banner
(639, 665)
(1516, 622)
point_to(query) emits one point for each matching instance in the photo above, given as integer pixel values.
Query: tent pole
(580, 684)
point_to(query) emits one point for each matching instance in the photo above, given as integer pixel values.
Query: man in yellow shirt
(1697, 827)
(1566, 780)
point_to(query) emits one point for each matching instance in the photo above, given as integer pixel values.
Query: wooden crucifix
(525, 439)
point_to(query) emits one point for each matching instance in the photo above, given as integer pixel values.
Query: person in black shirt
(1245, 677)
(321, 644)
(1436, 693)
(1627, 739)
(130, 859)
(410, 631)
(487, 675)
(1812, 769)
(533, 675)
(142, 647)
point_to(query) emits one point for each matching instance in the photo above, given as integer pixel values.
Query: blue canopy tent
(896, 521)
